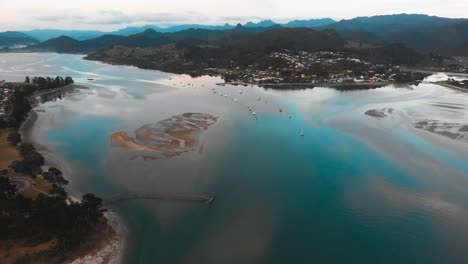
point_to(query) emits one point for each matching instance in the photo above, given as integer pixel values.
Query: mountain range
(12, 38)
(439, 35)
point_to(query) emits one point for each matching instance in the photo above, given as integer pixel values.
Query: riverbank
(101, 247)
(303, 85)
(107, 248)
(450, 86)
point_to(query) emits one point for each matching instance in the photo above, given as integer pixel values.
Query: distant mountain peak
(311, 23)
(239, 26)
(13, 38)
(263, 23)
(149, 31)
(64, 37)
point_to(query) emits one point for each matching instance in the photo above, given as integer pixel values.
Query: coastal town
(318, 68)
(5, 92)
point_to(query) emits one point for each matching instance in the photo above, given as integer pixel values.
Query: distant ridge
(60, 44)
(422, 32)
(311, 23)
(263, 23)
(429, 34)
(46, 34)
(13, 38)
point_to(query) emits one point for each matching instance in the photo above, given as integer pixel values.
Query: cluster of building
(311, 67)
(5, 92)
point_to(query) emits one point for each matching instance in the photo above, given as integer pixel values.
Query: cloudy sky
(115, 14)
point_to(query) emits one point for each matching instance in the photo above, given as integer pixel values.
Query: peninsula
(40, 222)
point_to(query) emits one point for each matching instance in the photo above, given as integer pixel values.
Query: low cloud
(113, 19)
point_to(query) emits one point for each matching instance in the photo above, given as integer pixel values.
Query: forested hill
(426, 34)
(13, 38)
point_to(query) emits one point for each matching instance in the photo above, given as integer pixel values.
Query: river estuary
(380, 176)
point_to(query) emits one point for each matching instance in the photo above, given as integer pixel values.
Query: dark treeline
(31, 163)
(18, 105)
(72, 226)
(32, 222)
(43, 83)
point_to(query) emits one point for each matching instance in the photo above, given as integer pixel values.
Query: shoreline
(447, 85)
(290, 86)
(338, 86)
(111, 252)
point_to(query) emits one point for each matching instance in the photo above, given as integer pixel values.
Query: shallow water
(354, 189)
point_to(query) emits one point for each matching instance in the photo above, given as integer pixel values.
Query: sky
(109, 15)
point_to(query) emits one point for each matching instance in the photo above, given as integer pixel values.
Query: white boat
(289, 116)
(235, 100)
(258, 98)
(253, 113)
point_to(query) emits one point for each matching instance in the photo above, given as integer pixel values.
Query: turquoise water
(354, 189)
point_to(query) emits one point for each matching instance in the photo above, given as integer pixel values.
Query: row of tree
(43, 83)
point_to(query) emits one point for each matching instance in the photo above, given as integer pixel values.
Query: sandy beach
(110, 252)
(109, 249)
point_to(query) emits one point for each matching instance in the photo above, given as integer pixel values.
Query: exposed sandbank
(170, 137)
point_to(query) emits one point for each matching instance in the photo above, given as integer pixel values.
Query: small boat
(302, 132)
(253, 113)
(289, 116)
(235, 100)
(210, 200)
(258, 98)
(281, 110)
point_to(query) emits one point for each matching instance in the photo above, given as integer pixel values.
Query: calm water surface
(354, 189)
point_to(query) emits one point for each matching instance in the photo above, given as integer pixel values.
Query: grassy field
(8, 152)
(13, 251)
(39, 183)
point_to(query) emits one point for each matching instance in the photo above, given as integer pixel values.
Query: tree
(41, 83)
(27, 80)
(14, 138)
(68, 80)
(92, 205)
(7, 190)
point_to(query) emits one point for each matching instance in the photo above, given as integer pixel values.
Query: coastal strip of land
(278, 69)
(303, 85)
(41, 222)
(451, 85)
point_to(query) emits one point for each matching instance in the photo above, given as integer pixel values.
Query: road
(24, 183)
